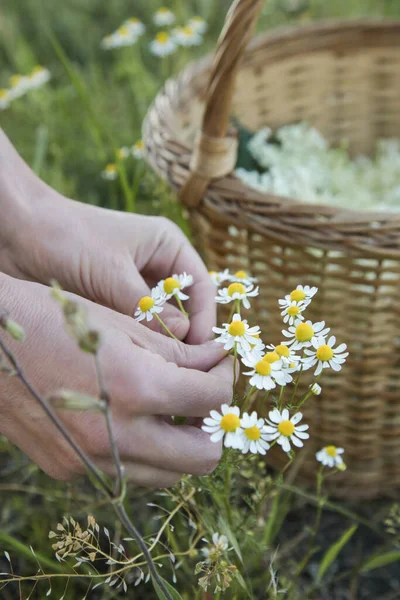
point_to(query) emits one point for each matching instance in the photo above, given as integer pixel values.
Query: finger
(142, 475)
(171, 257)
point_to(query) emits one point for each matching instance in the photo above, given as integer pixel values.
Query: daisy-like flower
(253, 434)
(173, 286)
(284, 430)
(243, 277)
(135, 26)
(107, 43)
(239, 334)
(19, 85)
(123, 153)
(163, 16)
(265, 371)
(300, 334)
(225, 425)
(237, 291)
(148, 305)
(330, 456)
(286, 354)
(324, 355)
(315, 389)
(138, 150)
(301, 294)
(163, 44)
(4, 99)
(198, 24)
(292, 312)
(218, 277)
(219, 545)
(110, 172)
(39, 76)
(187, 36)
(124, 37)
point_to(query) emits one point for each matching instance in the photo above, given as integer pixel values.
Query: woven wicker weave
(343, 78)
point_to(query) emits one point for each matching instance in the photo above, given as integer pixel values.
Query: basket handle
(215, 151)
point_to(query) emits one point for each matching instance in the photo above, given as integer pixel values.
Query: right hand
(148, 376)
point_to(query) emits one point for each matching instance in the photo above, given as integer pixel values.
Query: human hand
(149, 377)
(108, 257)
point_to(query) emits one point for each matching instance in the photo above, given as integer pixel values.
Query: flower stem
(296, 384)
(234, 372)
(179, 301)
(165, 327)
(246, 399)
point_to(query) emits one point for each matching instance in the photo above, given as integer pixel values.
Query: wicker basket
(343, 78)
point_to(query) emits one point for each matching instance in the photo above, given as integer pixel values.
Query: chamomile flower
(324, 355)
(4, 99)
(265, 371)
(218, 277)
(237, 291)
(243, 277)
(198, 24)
(19, 85)
(110, 172)
(253, 435)
(138, 150)
(148, 305)
(163, 17)
(284, 430)
(237, 334)
(123, 153)
(300, 334)
(301, 294)
(330, 456)
(163, 44)
(135, 26)
(124, 37)
(292, 312)
(286, 354)
(224, 425)
(39, 76)
(186, 36)
(173, 286)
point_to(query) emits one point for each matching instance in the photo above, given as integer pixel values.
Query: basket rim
(320, 30)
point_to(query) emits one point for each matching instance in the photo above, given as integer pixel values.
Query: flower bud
(90, 341)
(341, 466)
(315, 389)
(12, 328)
(75, 401)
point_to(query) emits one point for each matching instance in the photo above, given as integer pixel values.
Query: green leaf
(332, 552)
(172, 591)
(280, 508)
(380, 560)
(226, 530)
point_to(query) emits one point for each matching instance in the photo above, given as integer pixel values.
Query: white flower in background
(173, 286)
(148, 305)
(265, 371)
(138, 150)
(163, 44)
(324, 355)
(186, 36)
(219, 545)
(300, 335)
(107, 42)
(302, 294)
(238, 333)
(135, 26)
(124, 37)
(110, 172)
(163, 17)
(198, 24)
(286, 354)
(253, 434)
(218, 277)
(225, 425)
(123, 153)
(330, 456)
(243, 277)
(315, 389)
(4, 99)
(38, 77)
(237, 291)
(279, 427)
(293, 312)
(19, 85)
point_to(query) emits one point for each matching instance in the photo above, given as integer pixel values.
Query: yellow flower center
(111, 168)
(331, 451)
(212, 272)
(139, 145)
(237, 328)
(271, 357)
(187, 30)
(198, 19)
(230, 422)
(133, 21)
(123, 31)
(171, 284)
(15, 80)
(253, 433)
(163, 10)
(293, 311)
(304, 332)
(324, 352)
(3, 93)
(292, 365)
(146, 303)
(263, 367)
(241, 274)
(286, 428)
(236, 288)
(297, 295)
(282, 350)
(162, 37)
(37, 69)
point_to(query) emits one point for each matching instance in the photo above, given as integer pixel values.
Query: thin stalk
(165, 327)
(179, 302)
